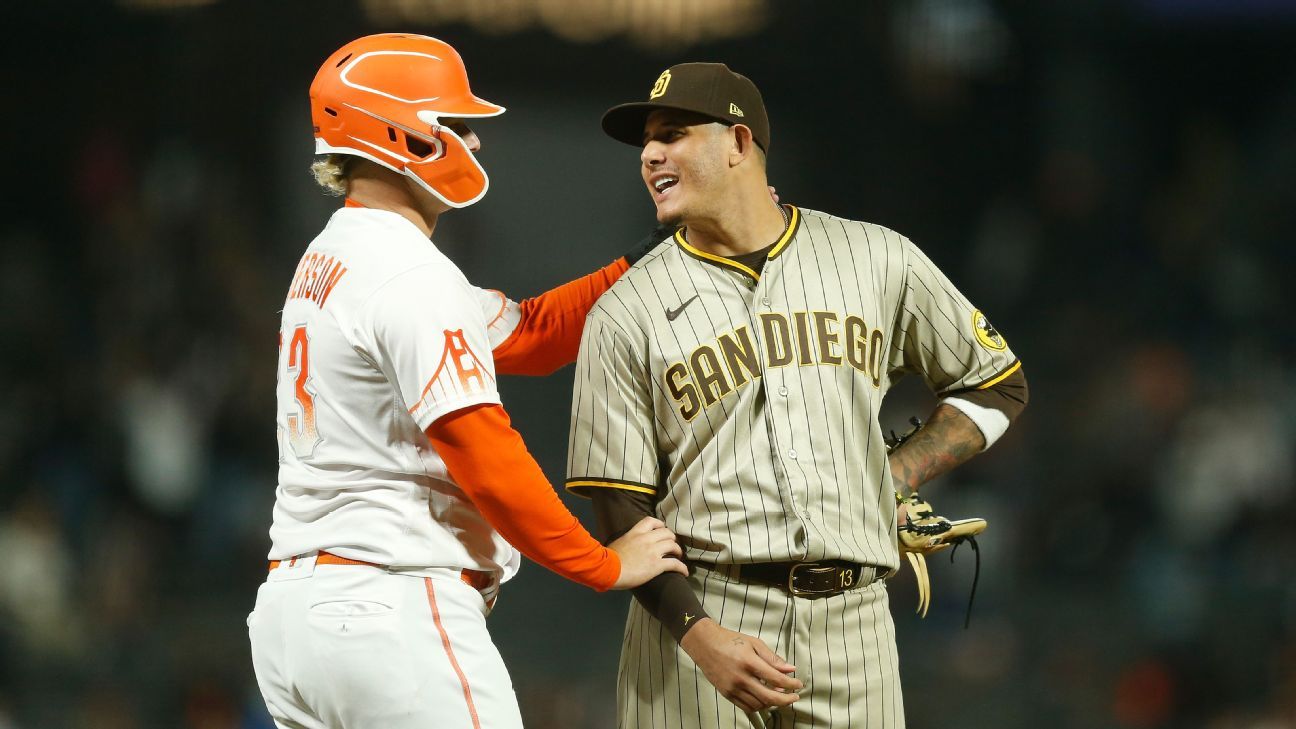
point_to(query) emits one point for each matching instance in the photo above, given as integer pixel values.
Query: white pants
(354, 647)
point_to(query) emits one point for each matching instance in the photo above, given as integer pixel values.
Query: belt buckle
(813, 568)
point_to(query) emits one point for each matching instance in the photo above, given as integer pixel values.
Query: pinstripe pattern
(753, 417)
(789, 464)
(843, 648)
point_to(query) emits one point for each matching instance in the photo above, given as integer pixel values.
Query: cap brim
(625, 122)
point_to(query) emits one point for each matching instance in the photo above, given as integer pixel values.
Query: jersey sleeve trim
(424, 416)
(502, 309)
(1016, 365)
(573, 484)
(1000, 377)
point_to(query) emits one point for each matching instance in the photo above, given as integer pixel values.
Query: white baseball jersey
(381, 335)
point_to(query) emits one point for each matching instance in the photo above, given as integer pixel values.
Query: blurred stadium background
(1114, 181)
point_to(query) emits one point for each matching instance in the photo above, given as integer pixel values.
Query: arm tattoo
(948, 439)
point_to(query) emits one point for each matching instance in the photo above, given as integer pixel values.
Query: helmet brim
(470, 107)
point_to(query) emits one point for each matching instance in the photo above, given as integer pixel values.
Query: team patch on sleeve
(459, 374)
(986, 334)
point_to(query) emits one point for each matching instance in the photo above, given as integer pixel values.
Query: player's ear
(743, 144)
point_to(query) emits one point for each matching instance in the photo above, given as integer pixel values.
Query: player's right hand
(647, 550)
(742, 668)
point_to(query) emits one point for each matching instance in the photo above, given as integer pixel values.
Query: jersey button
(792, 454)
(782, 391)
(765, 302)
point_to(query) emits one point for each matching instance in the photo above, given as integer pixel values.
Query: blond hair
(331, 172)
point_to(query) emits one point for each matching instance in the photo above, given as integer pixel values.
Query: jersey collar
(794, 222)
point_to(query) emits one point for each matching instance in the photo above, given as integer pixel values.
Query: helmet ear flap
(454, 176)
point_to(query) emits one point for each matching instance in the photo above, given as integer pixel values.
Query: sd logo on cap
(709, 89)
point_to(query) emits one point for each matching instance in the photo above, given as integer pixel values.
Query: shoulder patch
(986, 334)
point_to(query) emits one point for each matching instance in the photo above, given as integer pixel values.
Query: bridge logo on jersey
(986, 334)
(803, 339)
(469, 370)
(460, 372)
(659, 87)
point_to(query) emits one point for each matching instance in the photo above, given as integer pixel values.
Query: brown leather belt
(476, 579)
(810, 579)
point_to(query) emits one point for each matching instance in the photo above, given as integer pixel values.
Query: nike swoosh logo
(673, 314)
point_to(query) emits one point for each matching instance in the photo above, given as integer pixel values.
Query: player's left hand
(741, 667)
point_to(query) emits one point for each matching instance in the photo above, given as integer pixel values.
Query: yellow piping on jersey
(679, 238)
(1001, 377)
(572, 485)
(777, 249)
(787, 235)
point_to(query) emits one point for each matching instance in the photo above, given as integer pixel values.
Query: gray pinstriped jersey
(747, 402)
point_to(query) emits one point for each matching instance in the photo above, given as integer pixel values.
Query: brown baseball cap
(709, 89)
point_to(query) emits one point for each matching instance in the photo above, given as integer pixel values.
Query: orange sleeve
(549, 333)
(488, 460)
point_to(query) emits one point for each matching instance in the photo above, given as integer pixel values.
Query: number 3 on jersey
(300, 406)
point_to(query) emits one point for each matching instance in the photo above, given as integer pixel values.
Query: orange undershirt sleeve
(549, 333)
(488, 460)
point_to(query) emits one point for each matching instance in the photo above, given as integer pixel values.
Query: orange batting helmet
(382, 97)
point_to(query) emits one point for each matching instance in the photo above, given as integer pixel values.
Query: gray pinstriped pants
(843, 647)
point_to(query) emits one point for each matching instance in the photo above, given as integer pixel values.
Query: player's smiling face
(682, 160)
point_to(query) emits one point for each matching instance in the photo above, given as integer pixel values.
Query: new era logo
(733, 109)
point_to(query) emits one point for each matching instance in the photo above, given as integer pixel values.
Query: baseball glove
(924, 533)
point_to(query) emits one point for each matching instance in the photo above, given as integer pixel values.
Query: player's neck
(748, 223)
(381, 189)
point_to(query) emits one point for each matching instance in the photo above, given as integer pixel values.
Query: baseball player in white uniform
(730, 384)
(404, 495)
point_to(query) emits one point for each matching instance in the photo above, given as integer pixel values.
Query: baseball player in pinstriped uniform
(404, 494)
(730, 384)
